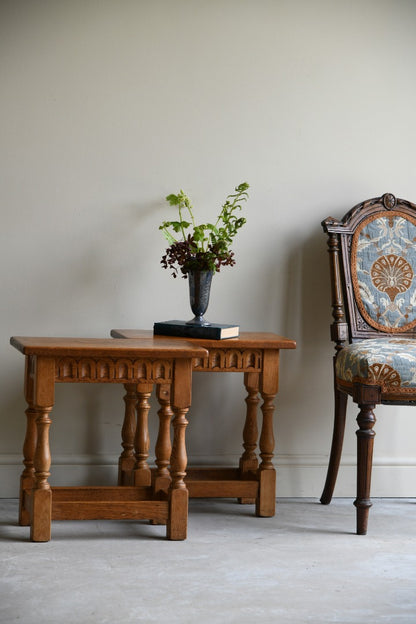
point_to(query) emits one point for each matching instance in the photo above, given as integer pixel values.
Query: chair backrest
(373, 270)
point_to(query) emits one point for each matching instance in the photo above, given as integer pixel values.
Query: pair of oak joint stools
(139, 360)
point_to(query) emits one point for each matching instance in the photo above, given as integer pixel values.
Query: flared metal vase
(199, 291)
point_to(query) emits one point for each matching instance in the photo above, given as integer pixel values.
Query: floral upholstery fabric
(383, 269)
(386, 362)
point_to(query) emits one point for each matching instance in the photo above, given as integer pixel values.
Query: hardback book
(213, 331)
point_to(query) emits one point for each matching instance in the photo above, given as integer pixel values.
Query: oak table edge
(96, 347)
(260, 340)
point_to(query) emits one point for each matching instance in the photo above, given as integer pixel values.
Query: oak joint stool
(138, 364)
(256, 355)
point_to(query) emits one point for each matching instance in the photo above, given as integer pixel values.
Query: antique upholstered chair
(372, 252)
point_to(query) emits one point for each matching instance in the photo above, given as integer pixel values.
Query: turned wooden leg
(178, 493)
(27, 478)
(269, 383)
(141, 473)
(163, 448)
(266, 501)
(248, 460)
(42, 494)
(336, 447)
(365, 443)
(177, 524)
(127, 458)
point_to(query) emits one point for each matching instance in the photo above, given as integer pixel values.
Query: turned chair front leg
(365, 443)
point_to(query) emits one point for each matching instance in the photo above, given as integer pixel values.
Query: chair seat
(386, 362)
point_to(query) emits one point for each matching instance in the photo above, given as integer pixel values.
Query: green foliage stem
(205, 246)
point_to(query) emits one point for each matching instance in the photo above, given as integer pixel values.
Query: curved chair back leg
(336, 447)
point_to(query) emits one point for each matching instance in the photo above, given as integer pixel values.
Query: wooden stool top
(61, 347)
(258, 340)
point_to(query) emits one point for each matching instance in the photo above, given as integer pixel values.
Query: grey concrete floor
(304, 565)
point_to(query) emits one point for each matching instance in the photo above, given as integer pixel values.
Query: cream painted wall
(106, 107)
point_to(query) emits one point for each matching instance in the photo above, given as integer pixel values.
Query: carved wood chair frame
(349, 326)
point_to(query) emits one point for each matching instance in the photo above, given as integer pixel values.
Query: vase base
(198, 321)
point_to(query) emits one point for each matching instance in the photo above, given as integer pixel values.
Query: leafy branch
(204, 247)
